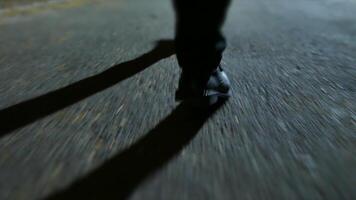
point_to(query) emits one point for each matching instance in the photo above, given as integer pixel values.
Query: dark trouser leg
(199, 42)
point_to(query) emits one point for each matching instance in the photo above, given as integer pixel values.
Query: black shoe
(204, 93)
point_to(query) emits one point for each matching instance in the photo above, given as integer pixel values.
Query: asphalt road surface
(87, 106)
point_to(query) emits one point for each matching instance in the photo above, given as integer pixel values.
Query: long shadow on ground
(26, 112)
(118, 178)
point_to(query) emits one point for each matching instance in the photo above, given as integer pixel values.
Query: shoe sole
(206, 102)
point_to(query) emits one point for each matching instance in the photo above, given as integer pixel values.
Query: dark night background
(87, 106)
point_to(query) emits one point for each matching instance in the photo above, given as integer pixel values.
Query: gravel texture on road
(87, 105)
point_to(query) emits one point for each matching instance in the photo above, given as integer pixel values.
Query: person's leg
(199, 47)
(199, 42)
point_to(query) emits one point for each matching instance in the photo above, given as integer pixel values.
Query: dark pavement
(87, 106)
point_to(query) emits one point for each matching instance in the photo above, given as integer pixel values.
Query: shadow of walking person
(118, 177)
(26, 112)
